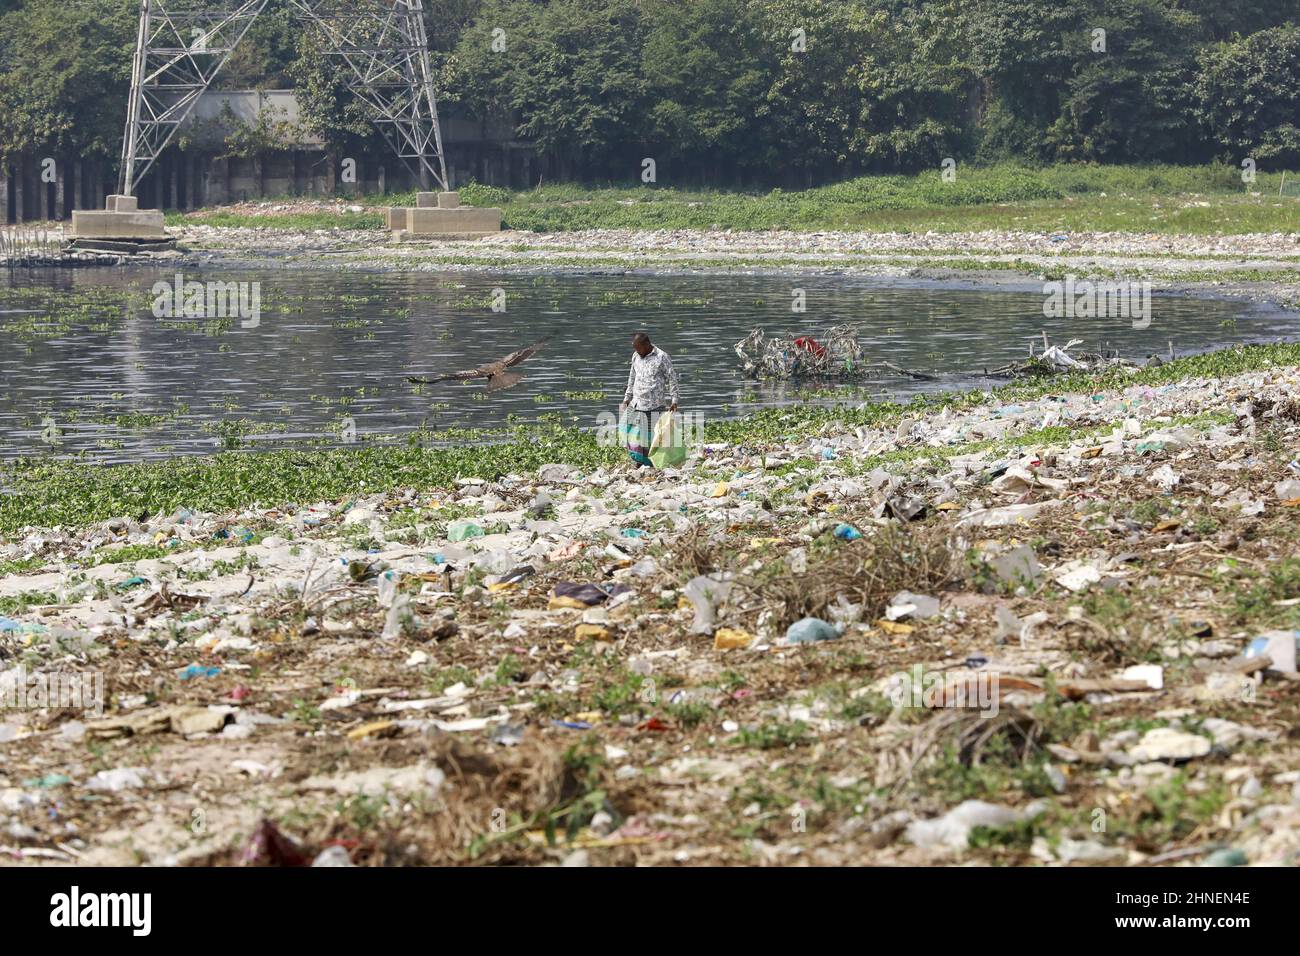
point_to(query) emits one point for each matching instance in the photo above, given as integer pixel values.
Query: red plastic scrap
(269, 847)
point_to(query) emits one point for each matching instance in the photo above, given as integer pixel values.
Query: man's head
(641, 342)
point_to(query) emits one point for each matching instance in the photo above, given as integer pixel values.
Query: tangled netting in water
(837, 354)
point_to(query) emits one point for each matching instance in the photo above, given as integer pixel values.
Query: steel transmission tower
(381, 46)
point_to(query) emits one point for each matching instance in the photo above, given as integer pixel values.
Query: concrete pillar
(61, 193)
(20, 173)
(331, 174)
(74, 198)
(381, 181)
(4, 194)
(173, 197)
(42, 194)
(190, 161)
(97, 185)
(157, 174)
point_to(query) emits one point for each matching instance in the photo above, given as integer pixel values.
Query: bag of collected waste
(668, 449)
(633, 437)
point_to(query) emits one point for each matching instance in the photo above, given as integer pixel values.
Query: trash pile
(1055, 359)
(838, 355)
(952, 636)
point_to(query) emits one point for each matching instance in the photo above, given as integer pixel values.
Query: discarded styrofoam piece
(906, 604)
(1076, 575)
(1152, 674)
(1170, 744)
(1005, 516)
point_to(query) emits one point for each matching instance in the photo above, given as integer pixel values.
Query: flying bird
(495, 372)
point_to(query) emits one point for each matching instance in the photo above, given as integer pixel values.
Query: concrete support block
(122, 204)
(398, 218)
(426, 200)
(114, 224)
(448, 200)
(444, 222)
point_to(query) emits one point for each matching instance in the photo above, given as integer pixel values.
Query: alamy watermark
(75, 690)
(1108, 299)
(610, 426)
(935, 690)
(209, 300)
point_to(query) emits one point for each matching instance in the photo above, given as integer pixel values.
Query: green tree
(1248, 96)
(863, 85)
(65, 72)
(706, 64)
(569, 72)
(1128, 96)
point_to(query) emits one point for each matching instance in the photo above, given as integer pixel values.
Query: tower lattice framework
(381, 46)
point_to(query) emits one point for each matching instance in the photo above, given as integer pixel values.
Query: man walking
(651, 388)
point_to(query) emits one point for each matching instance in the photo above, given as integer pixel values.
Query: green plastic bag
(463, 530)
(668, 449)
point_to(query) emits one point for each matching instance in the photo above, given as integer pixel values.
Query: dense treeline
(752, 91)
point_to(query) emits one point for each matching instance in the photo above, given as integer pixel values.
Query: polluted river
(108, 365)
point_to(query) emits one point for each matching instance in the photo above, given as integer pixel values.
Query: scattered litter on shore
(964, 633)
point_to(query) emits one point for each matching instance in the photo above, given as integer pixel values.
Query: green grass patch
(52, 491)
(1198, 200)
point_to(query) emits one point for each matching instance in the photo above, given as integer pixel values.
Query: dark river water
(91, 363)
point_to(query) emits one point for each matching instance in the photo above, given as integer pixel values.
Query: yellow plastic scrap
(727, 638)
(557, 603)
(720, 490)
(376, 728)
(592, 631)
(893, 627)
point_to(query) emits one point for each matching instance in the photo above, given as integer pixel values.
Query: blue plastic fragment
(811, 630)
(198, 670)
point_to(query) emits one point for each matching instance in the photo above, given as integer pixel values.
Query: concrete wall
(485, 152)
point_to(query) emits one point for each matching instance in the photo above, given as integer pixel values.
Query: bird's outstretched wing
(493, 371)
(523, 355)
(453, 377)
